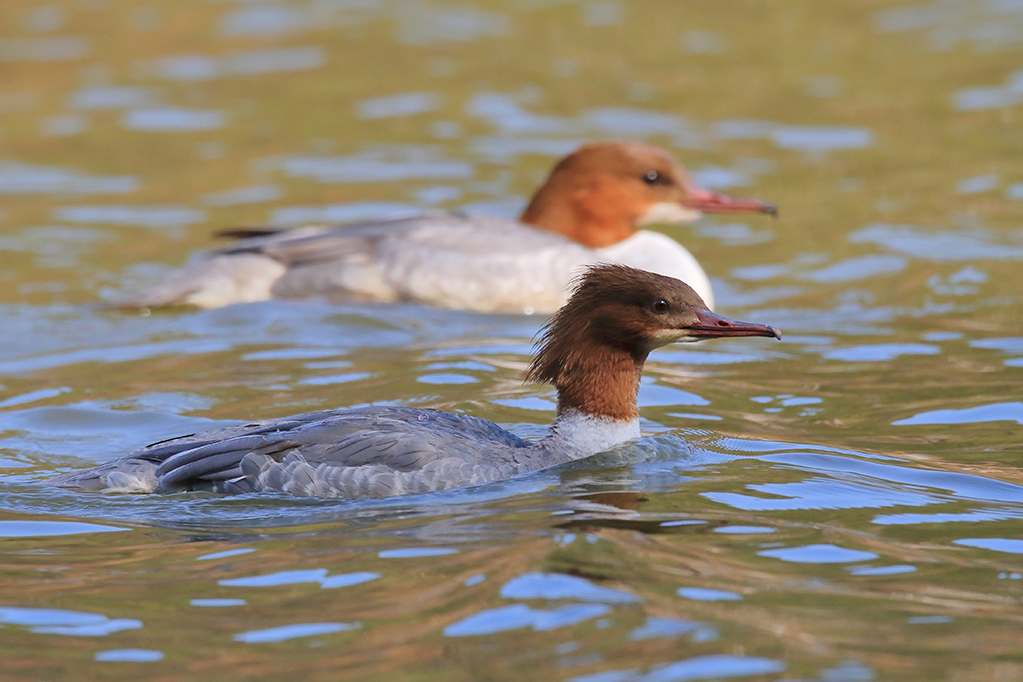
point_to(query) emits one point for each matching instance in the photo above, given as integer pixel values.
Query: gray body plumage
(350, 454)
(467, 262)
(449, 259)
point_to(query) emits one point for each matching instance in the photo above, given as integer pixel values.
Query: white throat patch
(663, 337)
(589, 435)
(668, 213)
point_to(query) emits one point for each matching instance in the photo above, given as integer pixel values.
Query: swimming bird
(592, 350)
(589, 210)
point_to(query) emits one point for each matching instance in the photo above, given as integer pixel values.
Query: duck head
(593, 349)
(601, 193)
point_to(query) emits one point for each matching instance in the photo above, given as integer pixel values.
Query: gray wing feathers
(211, 461)
(394, 450)
(125, 476)
(297, 476)
(342, 243)
(382, 261)
(369, 452)
(230, 446)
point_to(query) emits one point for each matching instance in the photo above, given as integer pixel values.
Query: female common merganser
(592, 350)
(587, 212)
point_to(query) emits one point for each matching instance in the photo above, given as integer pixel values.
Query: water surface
(844, 505)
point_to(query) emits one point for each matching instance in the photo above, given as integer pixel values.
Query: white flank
(124, 482)
(223, 280)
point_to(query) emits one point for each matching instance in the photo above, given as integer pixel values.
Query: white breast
(584, 435)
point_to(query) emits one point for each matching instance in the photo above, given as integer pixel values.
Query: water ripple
(296, 631)
(60, 622)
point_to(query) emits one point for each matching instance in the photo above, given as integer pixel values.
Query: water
(844, 505)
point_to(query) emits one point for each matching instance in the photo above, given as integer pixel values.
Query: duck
(589, 210)
(592, 350)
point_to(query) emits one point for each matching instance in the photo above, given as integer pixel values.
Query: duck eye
(660, 306)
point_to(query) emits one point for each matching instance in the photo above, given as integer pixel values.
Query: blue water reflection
(652, 394)
(217, 603)
(505, 149)
(879, 352)
(318, 575)
(559, 586)
(821, 138)
(706, 357)
(406, 104)
(37, 529)
(977, 184)
(988, 25)
(1007, 545)
(655, 627)
(745, 530)
(373, 167)
(94, 430)
(963, 486)
(939, 245)
(818, 554)
(252, 194)
(881, 570)
(735, 234)
(1009, 345)
(698, 668)
(805, 138)
(264, 20)
(991, 97)
(61, 622)
(55, 246)
(969, 415)
(112, 97)
(857, 268)
(820, 493)
(129, 655)
(973, 516)
(518, 616)
(707, 594)
(447, 379)
(173, 119)
(416, 552)
(225, 554)
(21, 178)
(422, 24)
(193, 67)
(296, 631)
(141, 216)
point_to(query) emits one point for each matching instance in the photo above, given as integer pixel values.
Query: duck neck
(597, 393)
(594, 213)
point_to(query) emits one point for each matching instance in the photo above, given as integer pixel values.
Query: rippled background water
(842, 506)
